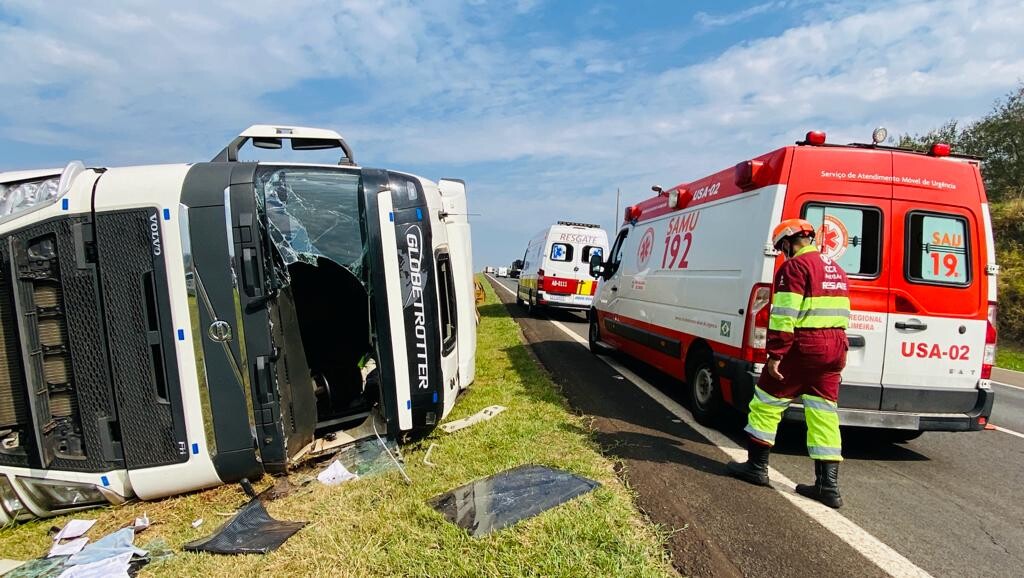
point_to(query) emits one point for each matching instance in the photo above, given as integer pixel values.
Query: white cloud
(547, 130)
(712, 21)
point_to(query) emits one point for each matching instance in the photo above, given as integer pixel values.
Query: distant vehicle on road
(688, 282)
(502, 271)
(555, 266)
(515, 269)
(490, 270)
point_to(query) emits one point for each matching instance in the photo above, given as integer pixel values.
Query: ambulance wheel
(705, 391)
(594, 335)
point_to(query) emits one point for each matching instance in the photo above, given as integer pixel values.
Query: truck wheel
(705, 392)
(898, 436)
(594, 336)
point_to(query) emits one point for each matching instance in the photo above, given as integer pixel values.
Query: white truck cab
(173, 327)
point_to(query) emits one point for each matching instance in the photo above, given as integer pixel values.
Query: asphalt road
(947, 502)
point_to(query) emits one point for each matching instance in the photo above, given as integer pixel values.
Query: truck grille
(88, 373)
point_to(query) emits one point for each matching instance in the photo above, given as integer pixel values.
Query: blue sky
(544, 107)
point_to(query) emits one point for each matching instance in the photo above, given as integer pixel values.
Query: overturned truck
(170, 328)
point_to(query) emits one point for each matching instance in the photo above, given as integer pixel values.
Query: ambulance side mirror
(596, 266)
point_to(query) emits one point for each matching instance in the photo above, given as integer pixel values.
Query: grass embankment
(380, 526)
(1010, 356)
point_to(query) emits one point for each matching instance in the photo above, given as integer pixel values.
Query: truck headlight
(10, 501)
(24, 196)
(56, 495)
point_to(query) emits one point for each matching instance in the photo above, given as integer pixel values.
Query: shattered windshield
(312, 212)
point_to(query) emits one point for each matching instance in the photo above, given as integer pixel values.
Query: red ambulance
(687, 282)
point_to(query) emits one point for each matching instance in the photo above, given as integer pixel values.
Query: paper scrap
(197, 522)
(113, 567)
(8, 565)
(482, 415)
(68, 548)
(335, 474)
(74, 529)
(141, 523)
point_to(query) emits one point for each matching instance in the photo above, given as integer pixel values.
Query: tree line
(998, 138)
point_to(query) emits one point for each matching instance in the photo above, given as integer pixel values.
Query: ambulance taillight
(988, 359)
(758, 315)
(540, 280)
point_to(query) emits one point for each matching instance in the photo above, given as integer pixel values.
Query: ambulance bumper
(743, 377)
(973, 420)
(555, 300)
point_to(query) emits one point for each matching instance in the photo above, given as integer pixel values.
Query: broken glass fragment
(505, 498)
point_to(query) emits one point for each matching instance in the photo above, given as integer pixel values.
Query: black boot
(755, 469)
(826, 484)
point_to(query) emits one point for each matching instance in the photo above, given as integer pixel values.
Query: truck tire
(704, 390)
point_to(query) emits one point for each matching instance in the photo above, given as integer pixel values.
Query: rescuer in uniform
(806, 353)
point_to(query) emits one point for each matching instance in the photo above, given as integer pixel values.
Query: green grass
(380, 526)
(1010, 356)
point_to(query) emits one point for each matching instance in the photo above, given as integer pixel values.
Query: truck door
(936, 331)
(851, 233)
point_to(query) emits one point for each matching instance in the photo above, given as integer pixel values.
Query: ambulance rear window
(937, 249)
(561, 252)
(590, 250)
(849, 234)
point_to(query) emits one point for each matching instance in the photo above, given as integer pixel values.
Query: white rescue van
(556, 264)
(688, 280)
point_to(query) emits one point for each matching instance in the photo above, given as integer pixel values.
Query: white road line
(1008, 385)
(889, 560)
(1008, 431)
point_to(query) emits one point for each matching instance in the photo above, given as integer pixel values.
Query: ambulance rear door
(936, 331)
(846, 195)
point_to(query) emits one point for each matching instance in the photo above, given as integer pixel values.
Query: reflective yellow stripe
(825, 303)
(787, 300)
(805, 249)
(782, 323)
(821, 322)
(824, 441)
(765, 414)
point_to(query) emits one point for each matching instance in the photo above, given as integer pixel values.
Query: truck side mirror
(596, 266)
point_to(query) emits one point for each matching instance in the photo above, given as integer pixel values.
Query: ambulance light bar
(939, 149)
(632, 213)
(814, 138)
(302, 139)
(751, 174)
(575, 224)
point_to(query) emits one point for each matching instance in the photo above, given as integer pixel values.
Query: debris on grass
(74, 529)
(335, 474)
(495, 502)
(67, 548)
(250, 531)
(482, 415)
